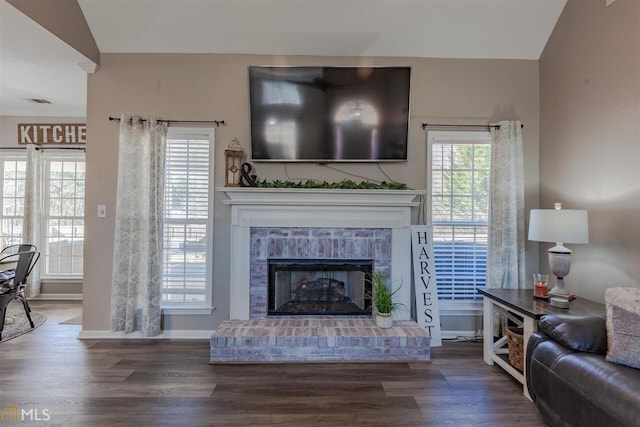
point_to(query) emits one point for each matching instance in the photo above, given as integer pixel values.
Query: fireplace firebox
(319, 287)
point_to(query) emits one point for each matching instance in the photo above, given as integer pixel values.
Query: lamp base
(560, 264)
(559, 292)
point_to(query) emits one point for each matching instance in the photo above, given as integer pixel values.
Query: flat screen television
(329, 114)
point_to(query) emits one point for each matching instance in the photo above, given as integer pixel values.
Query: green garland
(344, 184)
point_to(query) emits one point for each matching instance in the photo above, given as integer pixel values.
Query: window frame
(459, 306)
(47, 157)
(205, 307)
(6, 155)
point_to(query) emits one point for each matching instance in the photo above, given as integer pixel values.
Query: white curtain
(505, 258)
(137, 257)
(31, 225)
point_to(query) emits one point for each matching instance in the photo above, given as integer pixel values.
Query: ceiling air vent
(40, 101)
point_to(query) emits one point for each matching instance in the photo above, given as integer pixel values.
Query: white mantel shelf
(320, 197)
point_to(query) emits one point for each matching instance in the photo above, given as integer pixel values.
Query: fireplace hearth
(319, 287)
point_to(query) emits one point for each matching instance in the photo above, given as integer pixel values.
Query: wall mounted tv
(329, 114)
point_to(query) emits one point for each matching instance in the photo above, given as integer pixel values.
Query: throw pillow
(623, 326)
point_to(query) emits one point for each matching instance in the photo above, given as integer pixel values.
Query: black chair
(13, 280)
(19, 247)
(8, 263)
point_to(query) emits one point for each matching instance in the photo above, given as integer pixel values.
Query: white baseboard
(196, 334)
(448, 335)
(57, 297)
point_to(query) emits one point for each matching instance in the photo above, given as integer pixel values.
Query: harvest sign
(424, 279)
(52, 133)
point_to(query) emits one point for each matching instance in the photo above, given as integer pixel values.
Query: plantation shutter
(459, 213)
(186, 213)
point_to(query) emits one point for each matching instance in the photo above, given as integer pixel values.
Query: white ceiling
(35, 64)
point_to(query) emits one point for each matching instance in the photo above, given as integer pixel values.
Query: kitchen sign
(52, 133)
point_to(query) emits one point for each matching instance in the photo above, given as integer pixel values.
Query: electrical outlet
(102, 211)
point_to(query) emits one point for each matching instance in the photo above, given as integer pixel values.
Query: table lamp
(560, 226)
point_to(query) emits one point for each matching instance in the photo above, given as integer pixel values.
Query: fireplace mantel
(319, 196)
(317, 208)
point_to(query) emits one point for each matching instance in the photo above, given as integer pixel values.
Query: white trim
(457, 308)
(319, 197)
(57, 297)
(88, 67)
(459, 137)
(448, 335)
(184, 334)
(448, 136)
(177, 132)
(453, 137)
(461, 313)
(61, 279)
(298, 207)
(177, 310)
(6, 156)
(46, 160)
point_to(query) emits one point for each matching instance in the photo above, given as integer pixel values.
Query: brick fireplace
(311, 223)
(318, 245)
(316, 232)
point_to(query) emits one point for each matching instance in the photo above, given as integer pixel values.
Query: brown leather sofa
(571, 382)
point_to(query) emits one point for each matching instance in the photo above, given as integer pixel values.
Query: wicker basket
(515, 342)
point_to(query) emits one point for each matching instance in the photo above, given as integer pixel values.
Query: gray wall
(590, 138)
(210, 86)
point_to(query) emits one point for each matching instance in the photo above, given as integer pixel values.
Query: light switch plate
(102, 211)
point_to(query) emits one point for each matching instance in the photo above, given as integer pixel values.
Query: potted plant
(382, 298)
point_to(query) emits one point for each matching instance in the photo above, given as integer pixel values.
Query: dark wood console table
(525, 310)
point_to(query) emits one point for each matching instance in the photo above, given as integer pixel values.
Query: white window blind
(64, 180)
(460, 211)
(188, 216)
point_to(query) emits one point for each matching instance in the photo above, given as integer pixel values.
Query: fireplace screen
(319, 287)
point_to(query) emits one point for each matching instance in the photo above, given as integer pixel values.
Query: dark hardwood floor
(170, 383)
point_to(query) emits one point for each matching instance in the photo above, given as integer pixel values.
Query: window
(459, 205)
(188, 218)
(13, 184)
(63, 214)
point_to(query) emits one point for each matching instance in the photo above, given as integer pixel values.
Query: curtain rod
(425, 125)
(38, 148)
(216, 122)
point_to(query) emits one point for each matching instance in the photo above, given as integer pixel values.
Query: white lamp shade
(559, 225)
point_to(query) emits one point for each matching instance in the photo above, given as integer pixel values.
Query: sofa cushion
(582, 389)
(623, 326)
(578, 333)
